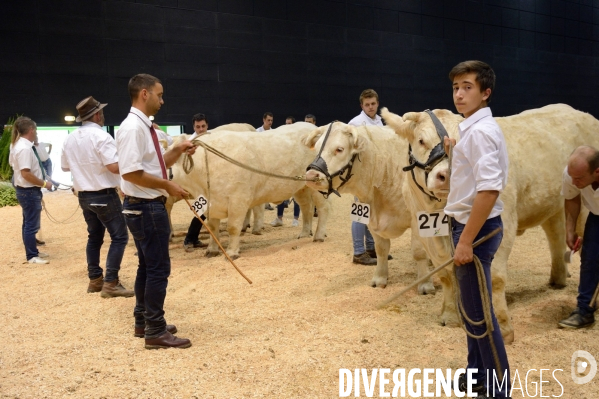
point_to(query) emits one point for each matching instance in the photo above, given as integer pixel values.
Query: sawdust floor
(309, 312)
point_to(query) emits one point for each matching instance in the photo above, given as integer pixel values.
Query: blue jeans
(589, 264)
(103, 211)
(151, 232)
(30, 200)
(281, 208)
(360, 233)
(480, 355)
(47, 164)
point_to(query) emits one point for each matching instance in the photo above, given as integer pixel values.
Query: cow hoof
(257, 233)
(318, 240)
(508, 338)
(212, 254)
(233, 257)
(426, 289)
(557, 286)
(381, 284)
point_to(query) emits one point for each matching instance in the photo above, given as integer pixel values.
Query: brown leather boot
(167, 340)
(140, 331)
(95, 285)
(115, 288)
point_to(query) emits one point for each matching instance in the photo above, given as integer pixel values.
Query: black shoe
(476, 388)
(364, 259)
(189, 246)
(577, 319)
(372, 254)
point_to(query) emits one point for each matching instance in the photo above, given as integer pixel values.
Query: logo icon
(584, 367)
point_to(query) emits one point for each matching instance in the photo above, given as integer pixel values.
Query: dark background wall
(236, 59)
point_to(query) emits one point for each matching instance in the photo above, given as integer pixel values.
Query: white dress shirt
(137, 152)
(22, 157)
(364, 119)
(479, 163)
(86, 152)
(261, 129)
(590, 197)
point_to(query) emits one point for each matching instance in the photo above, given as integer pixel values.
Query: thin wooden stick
(215, 239)
(444, 265)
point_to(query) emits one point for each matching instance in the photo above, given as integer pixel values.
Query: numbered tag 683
(360, 212)
(432, 224)
(200, 205)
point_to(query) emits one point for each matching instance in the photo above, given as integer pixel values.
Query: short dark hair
(368, 93)
(292, 118)
(311, 116)
(199, 118)
(139, 82)
(267, 114)
(485, 76)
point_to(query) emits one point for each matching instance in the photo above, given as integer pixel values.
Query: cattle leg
(234, 229)
(381, 247)
(246, 221)
(324, 208)
(422, 263)
(170, 201)
(304, 198)
(213, 250)
(258, 212)
(555, 230)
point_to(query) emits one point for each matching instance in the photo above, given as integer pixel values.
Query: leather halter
(320, 165)
(437, 155)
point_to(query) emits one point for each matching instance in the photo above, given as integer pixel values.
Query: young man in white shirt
(29, 178)
(142, 166)
(266, 122)
(89, 153)
(479, 173)
(580, 185)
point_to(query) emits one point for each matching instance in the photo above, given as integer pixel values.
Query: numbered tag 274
(200, 205)
(433, 224)
(360, 212)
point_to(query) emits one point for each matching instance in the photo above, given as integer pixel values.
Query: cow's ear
(401, 127)
(360, 139)
(310, 139)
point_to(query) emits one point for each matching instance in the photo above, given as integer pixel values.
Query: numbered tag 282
(200, 205)
(432, 224)
(360, 212)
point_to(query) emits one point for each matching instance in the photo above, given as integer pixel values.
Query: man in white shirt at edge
(266, 122)
(29, 179)
(142, 166)
(365, 254)
(89, 153)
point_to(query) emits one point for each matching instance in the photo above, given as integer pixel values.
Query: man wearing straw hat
(89, 153)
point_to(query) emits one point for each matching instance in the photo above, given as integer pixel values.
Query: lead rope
(484, 296)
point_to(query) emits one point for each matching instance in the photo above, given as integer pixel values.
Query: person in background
(29, 179)
(44, 150)
(290, 120)
(310, 118)
(266, 125)
(89, 153)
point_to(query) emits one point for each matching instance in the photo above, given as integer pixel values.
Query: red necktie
(158, 151)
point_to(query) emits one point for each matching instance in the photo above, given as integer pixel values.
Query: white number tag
(200, 205)
(360, 212)
(432, 224)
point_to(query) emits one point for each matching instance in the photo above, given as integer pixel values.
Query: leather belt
(137, 200)
(29, 188)
(103, 191)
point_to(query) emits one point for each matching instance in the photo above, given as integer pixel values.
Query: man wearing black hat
(89, 153)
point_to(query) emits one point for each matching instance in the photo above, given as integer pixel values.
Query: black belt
(103, 191)
(137, 200)
(29, 188)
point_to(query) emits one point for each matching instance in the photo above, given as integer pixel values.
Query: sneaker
(42, 255)
(364, 259)
(189, 247)
(295, 223)
(577, 320)
(40, 242)
(276, 223)
(38, 260)
(372, 254)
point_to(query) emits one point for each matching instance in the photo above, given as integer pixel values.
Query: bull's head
(338, 145)
(428, 161)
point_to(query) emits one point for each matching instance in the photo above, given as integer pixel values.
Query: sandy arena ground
(309, 312)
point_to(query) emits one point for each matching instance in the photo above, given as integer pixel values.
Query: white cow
(539, 142)
(377, 178)
(234, 190)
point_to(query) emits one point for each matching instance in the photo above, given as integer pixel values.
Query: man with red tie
(142, 165)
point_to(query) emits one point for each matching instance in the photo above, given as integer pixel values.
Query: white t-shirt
(479, 163)
(590, 197)
(86, 152)
(22, 157)
(364, 119)
(137, 152)
(41, 151)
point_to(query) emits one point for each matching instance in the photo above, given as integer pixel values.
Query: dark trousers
(589, 264)
(103, 211)
(30, 200)
(193, 232)
(281, 208)
(151, 232)
(480, 353)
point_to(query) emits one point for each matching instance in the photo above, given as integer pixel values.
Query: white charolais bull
(539, 142)
(234, 190)
(377, 178)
